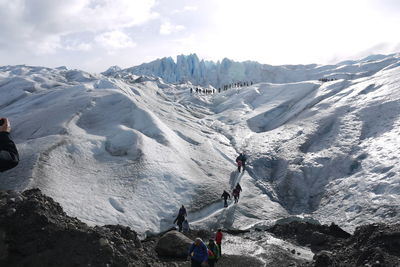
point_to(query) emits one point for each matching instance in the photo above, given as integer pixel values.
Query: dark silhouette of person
(238, 187)
(180, 218)
(239, 190)
(235, 194)
(225, 195)
(9, 156)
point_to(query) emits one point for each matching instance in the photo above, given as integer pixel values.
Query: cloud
(185, 9)
(167, 28)
(43, 26)
(114, 40)
(190, 8)
(78, 46)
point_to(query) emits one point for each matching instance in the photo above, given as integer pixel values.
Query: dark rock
(318, 238)
(336, 231)
(371, 245)
(173, 245)
(3, 245)
(235, 231)
(35, 231)
(323, 259)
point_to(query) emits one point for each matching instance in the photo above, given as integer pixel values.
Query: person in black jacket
(225, 195)
(179, 221)
(180, 218)
(9, 157)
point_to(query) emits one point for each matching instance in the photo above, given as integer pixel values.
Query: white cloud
(190, 8)
(167, 28)
(185, 9)
(114, 40)
(78, 47)
(42, 26)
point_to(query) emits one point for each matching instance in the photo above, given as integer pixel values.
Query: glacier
(189, 68)
(130, 148)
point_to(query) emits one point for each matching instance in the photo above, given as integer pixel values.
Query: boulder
(173, 245)
(323, 259)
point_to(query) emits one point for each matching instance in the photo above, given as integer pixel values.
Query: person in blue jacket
(198, 253)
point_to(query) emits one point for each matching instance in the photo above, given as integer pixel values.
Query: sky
(93, 35)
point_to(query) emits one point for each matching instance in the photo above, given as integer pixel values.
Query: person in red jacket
(218, 240)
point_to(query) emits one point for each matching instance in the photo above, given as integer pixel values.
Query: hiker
(218, 240)
(235, 194)
(213, 253)
(182, 211)
(239, 188)
(185, 226)
(239, 164)
(180, 218)
(179, 221)
(241, 161)
(198, 253)
(225, 195)
(9, 156)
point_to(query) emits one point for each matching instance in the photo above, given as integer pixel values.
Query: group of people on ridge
(224, 88)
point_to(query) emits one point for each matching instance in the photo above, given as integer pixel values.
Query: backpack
(235, 192)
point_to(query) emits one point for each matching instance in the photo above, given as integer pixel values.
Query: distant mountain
(189, 68)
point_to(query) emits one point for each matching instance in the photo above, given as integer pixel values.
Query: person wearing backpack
(241, 161)
(213, 253)
(180, 218)
(198, 253)
(9, 156)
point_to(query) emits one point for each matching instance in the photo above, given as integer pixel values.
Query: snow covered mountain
(199, 72)
(130, 150)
